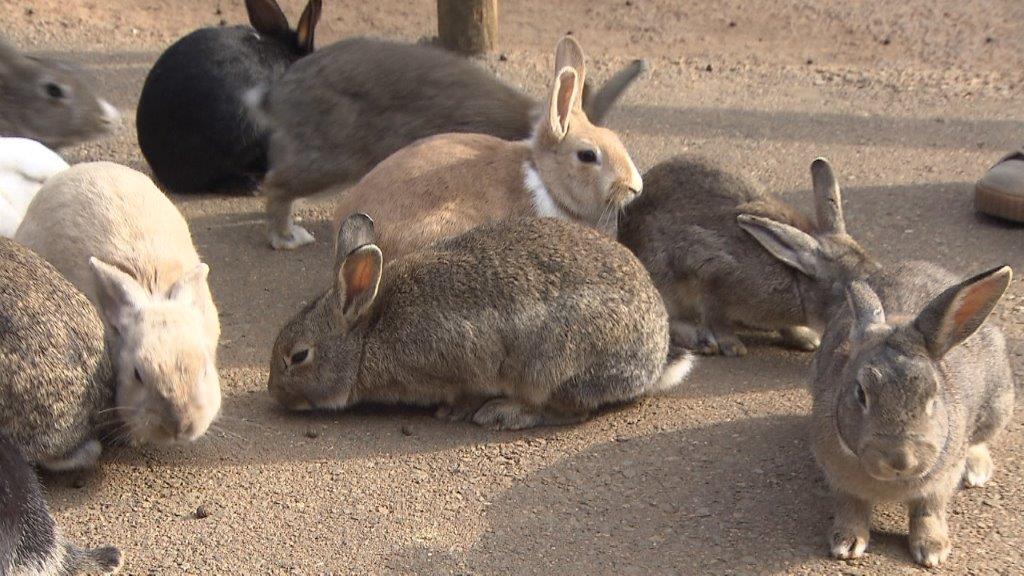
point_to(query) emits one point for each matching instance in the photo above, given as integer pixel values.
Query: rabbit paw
(979, 466)
(456, 412)
(847, 544)
(800, 338)
(731, 346)
(83, 457)
(507, 414)
(930, 550)
(296, 237)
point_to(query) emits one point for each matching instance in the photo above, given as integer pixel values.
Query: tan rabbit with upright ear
(445, 185)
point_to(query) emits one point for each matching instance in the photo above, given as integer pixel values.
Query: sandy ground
(912, 101)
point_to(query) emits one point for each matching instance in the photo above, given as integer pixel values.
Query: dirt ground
(911, 101)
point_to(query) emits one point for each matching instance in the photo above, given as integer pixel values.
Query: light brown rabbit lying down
(445, 185)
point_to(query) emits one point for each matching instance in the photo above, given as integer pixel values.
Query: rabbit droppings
(56, 383)
(511, 325)
(111, 231)
(50, 101)
(30, 541)
(339, 112)
(713, 275)
(193, 127)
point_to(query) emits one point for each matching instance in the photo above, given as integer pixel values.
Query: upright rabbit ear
(828, 200)
(266, 17)
(185, 289)
(358, 266)
(787, 244)
(960, 310)
(866, 307)
(565, 96)
(120, 296)
(307, 26)
(569, 54)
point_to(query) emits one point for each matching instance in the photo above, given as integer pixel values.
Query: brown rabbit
(341, 111)
(445, 185)
(707, 265)
(514, 324)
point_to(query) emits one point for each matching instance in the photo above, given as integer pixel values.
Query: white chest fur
(542, 201)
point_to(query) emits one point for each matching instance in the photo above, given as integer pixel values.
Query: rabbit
(111, 231)
(50, 101)
(192, 126)
(487, 326)
(56, 381)
(903, 408)
(30, 541)
(24, 166)
(444, 185)
(338, 113)
(713, 276)
(909, 388)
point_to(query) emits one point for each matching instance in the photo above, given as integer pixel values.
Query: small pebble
(503, 58)
(709, 68)
(406, 431)
(886, 42)
(732, 24)
(312, 433)
(810, 61)
(203, 511)
(79, 482)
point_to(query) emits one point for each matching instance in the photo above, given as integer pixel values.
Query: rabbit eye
(862, 397)
(54, 90)
(300, 356)
(587, 156)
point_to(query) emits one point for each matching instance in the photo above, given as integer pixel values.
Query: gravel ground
(911, 101)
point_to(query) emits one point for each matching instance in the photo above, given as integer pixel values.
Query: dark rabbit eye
(138, 377)
(54, 90)
(587, 156)
(861, 396)
(300, 356)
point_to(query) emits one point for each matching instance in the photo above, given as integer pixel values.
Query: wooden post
(468, 26)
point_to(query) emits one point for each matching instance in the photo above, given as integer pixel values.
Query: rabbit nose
(899, 461)
(111, 115)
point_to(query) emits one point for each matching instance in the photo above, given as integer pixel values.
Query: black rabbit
(192, 125)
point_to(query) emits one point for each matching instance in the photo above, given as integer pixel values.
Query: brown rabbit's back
(420, 195)
(54, 371)
(346, 107)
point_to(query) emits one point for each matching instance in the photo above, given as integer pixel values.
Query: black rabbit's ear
(307, 26)
(266, 17)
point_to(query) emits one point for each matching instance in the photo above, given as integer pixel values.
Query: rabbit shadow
(734, 497)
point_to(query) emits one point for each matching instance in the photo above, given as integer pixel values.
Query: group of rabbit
(497, 258)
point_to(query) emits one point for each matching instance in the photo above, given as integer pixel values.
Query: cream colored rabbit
(110, 231)
(445, 185)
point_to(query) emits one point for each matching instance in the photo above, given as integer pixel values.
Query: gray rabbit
(338, 112)
(56, 381)
(30, 541)
(511, 325)
(713, 276)
(909, 385)
(50, 101)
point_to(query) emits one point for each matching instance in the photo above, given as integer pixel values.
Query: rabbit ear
(307, 25)
(120, 296)
(185, 288)
(960, 310)
(867, 309)
(266, 17)
(565, 96)
(569, 54)
(828, 201)
(786, 243)
(355, 231)
(357, 282)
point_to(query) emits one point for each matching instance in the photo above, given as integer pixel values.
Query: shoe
(1000, 192)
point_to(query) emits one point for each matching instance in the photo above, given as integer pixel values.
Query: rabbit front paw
(507, 414)
(81, 458)
(979, 466)
(847, 543)
(800, 338)
(930, 550)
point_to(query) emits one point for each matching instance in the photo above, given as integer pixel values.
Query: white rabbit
(24, 165)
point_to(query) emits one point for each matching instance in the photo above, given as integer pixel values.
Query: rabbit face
(312, 366)
(168, 389)
(50, 101)
(890, 412)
